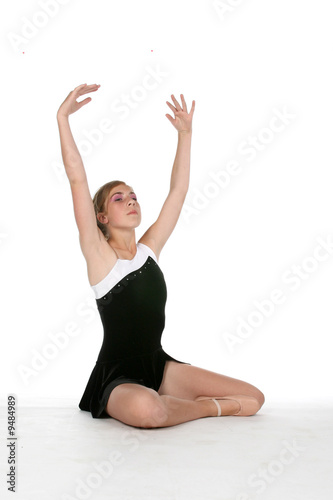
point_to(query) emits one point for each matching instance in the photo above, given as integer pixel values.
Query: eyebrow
(121, 192)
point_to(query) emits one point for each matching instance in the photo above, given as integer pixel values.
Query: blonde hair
(99, 200)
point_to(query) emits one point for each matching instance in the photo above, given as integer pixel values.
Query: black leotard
(131, 301)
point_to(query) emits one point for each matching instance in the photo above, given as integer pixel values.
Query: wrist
(62, 116)
(185, 132)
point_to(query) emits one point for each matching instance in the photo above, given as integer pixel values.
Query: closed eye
(119, 199)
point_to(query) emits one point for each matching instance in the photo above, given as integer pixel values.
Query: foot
(247, 405)
(227, 407)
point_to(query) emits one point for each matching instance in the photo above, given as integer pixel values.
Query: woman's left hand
(183, 120)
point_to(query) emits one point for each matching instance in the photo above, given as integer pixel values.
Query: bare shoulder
(100, 258)
(149, 242)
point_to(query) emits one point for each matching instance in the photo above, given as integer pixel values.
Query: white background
(239, 66)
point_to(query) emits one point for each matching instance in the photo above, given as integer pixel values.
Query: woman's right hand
(70, 105)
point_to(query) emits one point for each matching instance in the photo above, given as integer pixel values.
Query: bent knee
(139, 407)
(151, 413)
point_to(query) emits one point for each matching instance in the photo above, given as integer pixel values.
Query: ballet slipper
(248, 404)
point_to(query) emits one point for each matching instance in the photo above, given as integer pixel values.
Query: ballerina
(134, 380)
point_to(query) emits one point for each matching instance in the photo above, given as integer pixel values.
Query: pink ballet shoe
(248, 404)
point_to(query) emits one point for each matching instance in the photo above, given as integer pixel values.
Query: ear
(102, 218)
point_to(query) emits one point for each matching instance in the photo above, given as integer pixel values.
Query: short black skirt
(145, 369)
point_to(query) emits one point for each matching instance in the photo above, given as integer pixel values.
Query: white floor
(282, 453)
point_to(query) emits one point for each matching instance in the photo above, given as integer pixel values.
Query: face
(119, 204)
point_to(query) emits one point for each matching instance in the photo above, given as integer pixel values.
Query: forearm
(180, 176)
(70, 154)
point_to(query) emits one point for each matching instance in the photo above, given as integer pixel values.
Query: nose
(131, 202)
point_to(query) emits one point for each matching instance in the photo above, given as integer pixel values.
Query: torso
(100, 263)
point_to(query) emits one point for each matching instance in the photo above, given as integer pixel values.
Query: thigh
(132, 403)
(190, 382)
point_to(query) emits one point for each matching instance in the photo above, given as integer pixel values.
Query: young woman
(134, 380)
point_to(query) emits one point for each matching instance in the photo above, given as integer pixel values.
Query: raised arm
(158, 233)
(89, 232)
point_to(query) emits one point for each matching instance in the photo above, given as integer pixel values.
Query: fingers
(178, 107)
(85, 89)
(82, 103)
(80, 86)
(184, 103)
(85, 85)
(89, 88)
(177, 103)
(193, 108)
(172, 107)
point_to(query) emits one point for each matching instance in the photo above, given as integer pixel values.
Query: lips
(133, 212)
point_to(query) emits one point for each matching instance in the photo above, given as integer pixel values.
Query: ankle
(209, 407)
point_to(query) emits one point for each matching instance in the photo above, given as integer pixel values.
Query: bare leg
(190, 382)
(140, 406)
(177, 411)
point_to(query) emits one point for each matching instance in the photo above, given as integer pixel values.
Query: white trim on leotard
(122, 268)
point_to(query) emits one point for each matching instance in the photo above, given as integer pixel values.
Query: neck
(123, 240)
